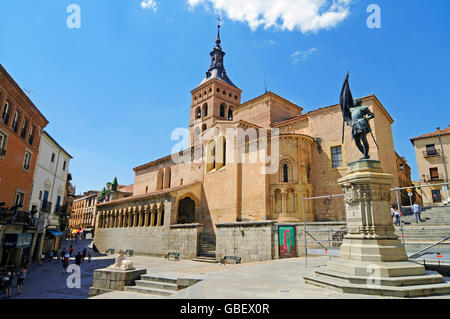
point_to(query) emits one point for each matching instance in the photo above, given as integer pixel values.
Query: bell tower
(215, 98)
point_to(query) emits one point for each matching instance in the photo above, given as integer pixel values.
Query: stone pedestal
(106, 280)
(372, 258)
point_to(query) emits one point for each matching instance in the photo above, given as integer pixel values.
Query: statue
(122, 263)
(357, 116)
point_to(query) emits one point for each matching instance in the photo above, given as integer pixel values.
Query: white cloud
(298, 56)
(149, 5)
(303, 15)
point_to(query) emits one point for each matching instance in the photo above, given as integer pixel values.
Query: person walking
(417, 210)
(89, 257)
(78, 259)
(41, 261)
(70, 250)
(20, 278)
(52, 254)
(65, 263)
(397, 216)
(8, 280)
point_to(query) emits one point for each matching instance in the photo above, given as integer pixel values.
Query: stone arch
(230, 114)
(204, 127)
(290, 201)
(222, 110)
(167, 177)
(286, 171)
(198, 113)
(211, 155)
(186, 210)
(221, 152)
(278, 202)
(159, 179)
(205, 110)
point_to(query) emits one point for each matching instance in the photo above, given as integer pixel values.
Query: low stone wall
(151, 241)
(106, 280)
(258, 241)
(252, 241)
(185, 239)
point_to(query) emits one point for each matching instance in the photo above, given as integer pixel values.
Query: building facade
(432, 151)
(247, 170)
(48, 199)
(82, 218)
(21, 126)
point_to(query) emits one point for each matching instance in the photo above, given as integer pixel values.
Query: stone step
(430, 278)
(151, 291)
(206, 259)
(156, 284)
(158, 279)
(393, 291)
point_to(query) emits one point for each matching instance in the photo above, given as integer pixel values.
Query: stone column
(141, 216)
(146, 212)
(136, 216)
(130, 217)
(160, 213)
(153, 213)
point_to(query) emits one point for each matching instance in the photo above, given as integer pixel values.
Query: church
(250, 166)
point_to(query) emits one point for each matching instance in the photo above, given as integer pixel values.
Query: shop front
(14, 245)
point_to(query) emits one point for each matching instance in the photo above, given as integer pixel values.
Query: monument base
(107, 279)
(372, 258)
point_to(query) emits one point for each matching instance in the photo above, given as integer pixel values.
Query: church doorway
(186, 211)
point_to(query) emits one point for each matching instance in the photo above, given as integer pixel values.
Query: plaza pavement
(276, 279)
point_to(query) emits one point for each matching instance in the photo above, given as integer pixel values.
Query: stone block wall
(252, 241)
(258, 241)
(185, 239)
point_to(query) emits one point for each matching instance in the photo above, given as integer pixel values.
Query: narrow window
(5, 116)
(15, 124)
(27, 160)
(431, 150)
(64, 165)
(285, 173)
(336, 156)
(23, 132)
(205, 110)
(2, 144)
(199, 113)
(230, 115)
(31, 136)
(222, 110)
(53, 158)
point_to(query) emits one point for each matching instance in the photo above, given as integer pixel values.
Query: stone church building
(223, 201)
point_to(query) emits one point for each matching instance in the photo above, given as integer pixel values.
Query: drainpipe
(443, 159)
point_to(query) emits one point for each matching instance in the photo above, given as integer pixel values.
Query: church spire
(217, 69)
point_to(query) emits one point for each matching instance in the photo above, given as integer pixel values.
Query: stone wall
(151, 241)
(258, 241)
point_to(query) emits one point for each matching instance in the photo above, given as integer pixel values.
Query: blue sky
(115, 89)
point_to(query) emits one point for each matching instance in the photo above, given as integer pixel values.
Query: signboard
(286, 241)
(17, 240)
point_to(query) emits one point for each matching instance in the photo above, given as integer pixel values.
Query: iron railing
(17, 217)
(46, 206)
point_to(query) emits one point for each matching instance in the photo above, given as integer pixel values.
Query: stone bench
(174, 254)
(229, 259)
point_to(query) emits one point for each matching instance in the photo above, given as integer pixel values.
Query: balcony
(60, 210)
(434, 178)
(431, 153)
(46, 206)
(17, 217)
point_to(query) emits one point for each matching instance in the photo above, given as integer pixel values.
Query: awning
(55, 232)
(75, 231)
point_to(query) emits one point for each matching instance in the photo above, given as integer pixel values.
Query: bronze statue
(357, 116)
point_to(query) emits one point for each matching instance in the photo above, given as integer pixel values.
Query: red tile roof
(432, 134)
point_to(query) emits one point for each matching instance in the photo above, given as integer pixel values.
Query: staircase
(207, 249)
(435, 225)
(159, 286)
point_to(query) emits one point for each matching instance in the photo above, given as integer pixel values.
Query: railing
(60, 209)
(14, 217)
(421, 252)
(431, 153)
(46, 206)
(434, 178)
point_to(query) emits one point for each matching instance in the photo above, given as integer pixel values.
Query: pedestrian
(65, 263)
(8, 279)
(89, 257)
(41, 261)
(51, 255)
(70, 250)
(84, 255)
(20, 278)
(417, 210)
(397, 216)
(78, 259)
